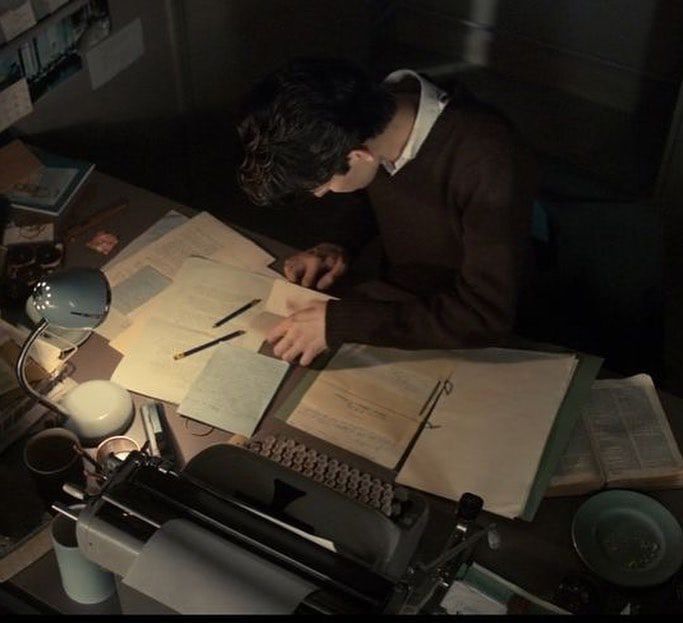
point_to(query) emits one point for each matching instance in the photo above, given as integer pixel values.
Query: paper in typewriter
(368, 400)
(487, 437)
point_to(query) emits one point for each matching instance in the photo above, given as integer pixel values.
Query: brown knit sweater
(454, 223)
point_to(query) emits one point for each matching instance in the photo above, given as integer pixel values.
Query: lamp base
(98, 410)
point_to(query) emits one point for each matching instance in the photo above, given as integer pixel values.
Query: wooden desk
(535, 556)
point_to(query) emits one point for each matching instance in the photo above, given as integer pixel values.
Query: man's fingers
(313, 265)
(278, 331)
(294, 268)
(291, 353)
(337, 270)
(283, 346)
(308, 356)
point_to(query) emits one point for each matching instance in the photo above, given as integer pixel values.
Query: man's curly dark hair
(300, 123)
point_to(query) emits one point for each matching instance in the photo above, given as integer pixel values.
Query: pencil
(196, 349)
(236, 313)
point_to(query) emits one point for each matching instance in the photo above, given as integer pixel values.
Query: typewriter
(264, 529)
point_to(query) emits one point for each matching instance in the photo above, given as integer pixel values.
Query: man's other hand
(303, 333)
(318, 267)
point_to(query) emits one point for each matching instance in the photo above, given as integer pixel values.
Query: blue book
(51, 188)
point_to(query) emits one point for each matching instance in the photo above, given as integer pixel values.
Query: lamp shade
(77, 298)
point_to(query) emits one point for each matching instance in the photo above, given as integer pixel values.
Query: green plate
(628, 538)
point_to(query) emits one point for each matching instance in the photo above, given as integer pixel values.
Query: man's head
(305, 128)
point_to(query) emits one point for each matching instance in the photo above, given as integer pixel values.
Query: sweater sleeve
(477, 310)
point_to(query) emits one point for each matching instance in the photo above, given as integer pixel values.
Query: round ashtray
(628, 538)
(119, 446)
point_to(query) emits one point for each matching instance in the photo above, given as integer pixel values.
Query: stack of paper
(149, 264)
(488, 435)
(182, 316)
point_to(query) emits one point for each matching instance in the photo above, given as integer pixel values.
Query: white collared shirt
(432, 102)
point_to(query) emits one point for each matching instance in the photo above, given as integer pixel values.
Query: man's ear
(362, 154)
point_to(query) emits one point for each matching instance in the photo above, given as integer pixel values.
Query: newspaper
(623, 439)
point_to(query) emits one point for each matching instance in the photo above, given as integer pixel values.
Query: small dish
(628, 538)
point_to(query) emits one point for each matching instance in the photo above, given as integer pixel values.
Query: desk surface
(535, 556)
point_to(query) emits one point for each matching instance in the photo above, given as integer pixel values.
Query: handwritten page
(234, 389)
(203, 292)
(150, 368)
(203, 235)
(488, 435)
(370, 400)
(286, 298)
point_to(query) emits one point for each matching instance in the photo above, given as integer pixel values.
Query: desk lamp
(78, 298)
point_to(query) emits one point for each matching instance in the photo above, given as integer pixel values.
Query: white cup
(83, 580)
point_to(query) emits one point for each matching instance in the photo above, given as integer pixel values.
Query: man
(450, 186)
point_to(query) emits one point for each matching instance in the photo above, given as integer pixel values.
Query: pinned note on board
(116, 53)
(15, 103)
(16, 19)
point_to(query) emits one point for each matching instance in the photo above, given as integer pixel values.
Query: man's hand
(303, 333)
(320, 266)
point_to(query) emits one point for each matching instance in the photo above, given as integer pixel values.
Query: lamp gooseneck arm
(21, 371)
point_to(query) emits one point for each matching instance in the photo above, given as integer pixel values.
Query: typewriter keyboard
(331, 472)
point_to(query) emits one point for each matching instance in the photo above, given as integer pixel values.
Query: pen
(196, 349)
(237, 312)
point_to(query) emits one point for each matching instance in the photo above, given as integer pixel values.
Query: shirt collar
(432, 102)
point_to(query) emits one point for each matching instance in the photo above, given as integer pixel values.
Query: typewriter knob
(469, 506)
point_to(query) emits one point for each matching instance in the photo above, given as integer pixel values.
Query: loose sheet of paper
(150, 368)
(116, 53)
(15, 103)
(370, 400)
(114, 324)
(203, 235)
(630, 431)
(165, 224)
(286, 298)
(487, 437)
(234, 389)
